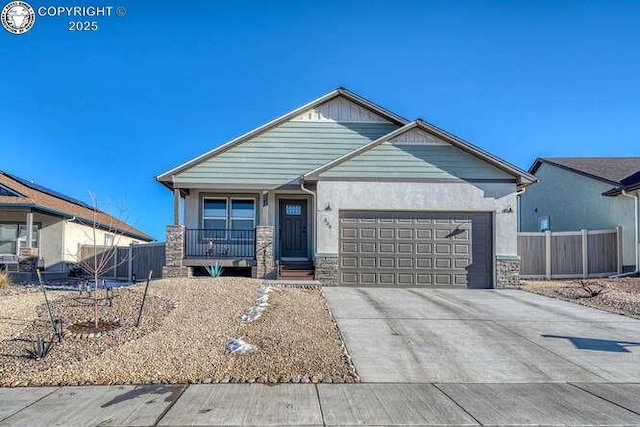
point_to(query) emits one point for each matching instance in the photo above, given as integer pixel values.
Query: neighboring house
(577, 193)
(355, 192)
(43, 226)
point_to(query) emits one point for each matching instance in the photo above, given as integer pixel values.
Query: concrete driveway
(482, 336)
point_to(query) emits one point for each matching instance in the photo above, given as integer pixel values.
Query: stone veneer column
(265, 259)
(28, 260)
(327, 270)
(174, 253)
(507, 272)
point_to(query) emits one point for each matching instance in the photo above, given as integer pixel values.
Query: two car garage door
(380, 248)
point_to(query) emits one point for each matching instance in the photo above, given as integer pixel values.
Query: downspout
(518, 204)
(314, 214)
(636, 212)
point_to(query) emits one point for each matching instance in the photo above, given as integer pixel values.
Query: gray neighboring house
(577, 193)
(353, 194)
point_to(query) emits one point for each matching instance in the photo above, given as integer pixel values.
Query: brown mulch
(620, 296)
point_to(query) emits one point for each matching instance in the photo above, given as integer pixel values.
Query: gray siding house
(576, 193)
(353, 193)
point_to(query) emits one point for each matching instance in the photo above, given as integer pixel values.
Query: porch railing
(219, 243)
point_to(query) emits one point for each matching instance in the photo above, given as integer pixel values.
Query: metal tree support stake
(144, 297)
(46, 300)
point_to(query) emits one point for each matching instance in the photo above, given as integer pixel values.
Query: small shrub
(40, 348)
(5, 280)
(593, 288)
(214, 270)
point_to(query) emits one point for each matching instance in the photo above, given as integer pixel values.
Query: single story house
(41, 226)
(578, 193)
(353, 192)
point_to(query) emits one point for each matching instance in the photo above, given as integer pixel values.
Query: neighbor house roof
(523, 177)
(621, 172)
(167, 177)
(22, 193)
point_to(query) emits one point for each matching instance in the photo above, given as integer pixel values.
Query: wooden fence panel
(122, 269)
(599, 248)
(566, 255)
(534, 246)
(103, 254)
(127, 261)
(148, 257)
(569, 254)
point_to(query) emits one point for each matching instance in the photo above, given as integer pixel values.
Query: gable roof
(621, 172)
(523, 177)
(612, 170)
(31, 195)
(166, 178)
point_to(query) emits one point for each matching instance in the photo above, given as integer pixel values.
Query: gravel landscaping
(185, 326)
(621, 296)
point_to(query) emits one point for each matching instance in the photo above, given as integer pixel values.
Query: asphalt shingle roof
(617, 170)
(31, 194)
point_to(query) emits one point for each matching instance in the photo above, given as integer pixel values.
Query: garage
(390, 248)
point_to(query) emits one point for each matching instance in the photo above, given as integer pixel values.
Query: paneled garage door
(415, 249)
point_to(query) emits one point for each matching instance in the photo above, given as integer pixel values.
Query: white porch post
(29, 229)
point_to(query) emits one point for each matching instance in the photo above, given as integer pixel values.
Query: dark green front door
(293, 228)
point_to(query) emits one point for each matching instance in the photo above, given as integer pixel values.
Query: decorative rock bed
(621, 296)
(184, 329)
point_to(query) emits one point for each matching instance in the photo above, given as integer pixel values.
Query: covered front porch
(20, 238)
(239, 228)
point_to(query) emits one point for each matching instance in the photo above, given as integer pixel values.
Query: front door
(293, 228)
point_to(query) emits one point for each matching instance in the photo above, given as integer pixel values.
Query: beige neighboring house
(351, 194)
(39, 226)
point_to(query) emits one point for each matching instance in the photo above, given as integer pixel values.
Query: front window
(14, 236)
(108, 239)
(242, 215)
(228, 214)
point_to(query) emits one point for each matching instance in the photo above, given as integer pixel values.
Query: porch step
(296, 271)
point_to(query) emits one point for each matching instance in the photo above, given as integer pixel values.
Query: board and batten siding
(416, 155)
(340, 110)
(281, 155)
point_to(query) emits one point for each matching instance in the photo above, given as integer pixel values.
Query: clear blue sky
(107, 111)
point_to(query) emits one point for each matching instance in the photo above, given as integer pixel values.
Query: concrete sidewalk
(324, 405)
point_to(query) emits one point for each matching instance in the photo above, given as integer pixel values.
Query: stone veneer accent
(265, 260)
(174, 253)
(507, 272)
(28, 260)
(327, 271)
